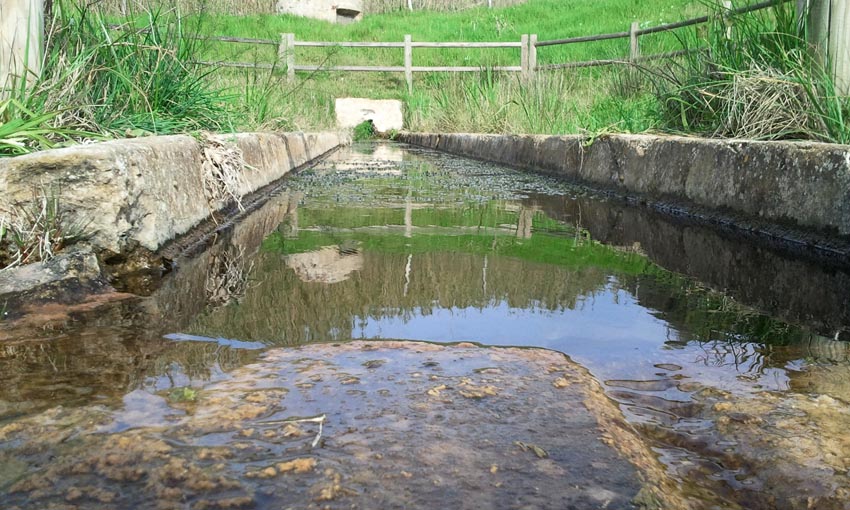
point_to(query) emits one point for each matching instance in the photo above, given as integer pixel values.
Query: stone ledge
(145, 192)
(798, 184)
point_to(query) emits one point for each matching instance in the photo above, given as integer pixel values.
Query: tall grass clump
(376, 6)
(22, 130)
(756, 78)
(490, 102)
(557, 102)
(36, 230)
(233, 7)
(101, 80)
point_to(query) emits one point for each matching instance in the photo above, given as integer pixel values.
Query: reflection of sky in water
(609, 333)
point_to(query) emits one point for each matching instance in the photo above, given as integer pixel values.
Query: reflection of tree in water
(727, 332)
(285, 310)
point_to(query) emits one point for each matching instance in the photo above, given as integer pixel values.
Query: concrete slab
(386, 114)
(804, 185)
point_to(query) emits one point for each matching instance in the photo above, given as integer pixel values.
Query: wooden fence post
(828, 23)
(21, 42)
(408, 62)
(634, 45)
(524, 56)
(802, 6)
(532, 55)
(839, 45)
(282, 51)
(727, 18)
(289, 55)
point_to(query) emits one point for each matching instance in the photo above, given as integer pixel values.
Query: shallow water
(725, 357)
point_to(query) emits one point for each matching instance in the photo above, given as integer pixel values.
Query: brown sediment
(50, 315)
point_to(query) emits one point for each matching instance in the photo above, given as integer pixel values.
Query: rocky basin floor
(357, 425)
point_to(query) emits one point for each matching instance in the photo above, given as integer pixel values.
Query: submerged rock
(262, 435)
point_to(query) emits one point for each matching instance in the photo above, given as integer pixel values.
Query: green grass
(701, 94)
(550, 19)
(98, 82)
(142, 80)
(564, 102)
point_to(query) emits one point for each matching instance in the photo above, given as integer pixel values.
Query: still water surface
(724, 356)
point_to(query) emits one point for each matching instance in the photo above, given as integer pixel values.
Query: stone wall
(769, 186)
(145, 192)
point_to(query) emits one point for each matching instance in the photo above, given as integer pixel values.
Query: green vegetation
(364, 131)
(183, 394)
(242, 7)
(544, 249)
(21, 129)
(759, 81)
(36, 231)
(101, 82)
(559, 102)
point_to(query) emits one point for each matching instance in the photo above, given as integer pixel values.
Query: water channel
(269, 367)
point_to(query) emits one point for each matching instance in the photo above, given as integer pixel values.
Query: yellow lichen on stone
(561, 382)
(435, 391)
(479, 391)
(302, 465)
(8, 430)
(268, 472)
(291, 430)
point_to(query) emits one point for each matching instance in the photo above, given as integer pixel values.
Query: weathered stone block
(385, 114)
(147, 191)
(803, 184)
(334, 11)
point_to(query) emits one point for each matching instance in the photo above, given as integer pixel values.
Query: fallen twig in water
(315, 419)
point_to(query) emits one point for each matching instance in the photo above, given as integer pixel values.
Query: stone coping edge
(145, 192)
(796, 191)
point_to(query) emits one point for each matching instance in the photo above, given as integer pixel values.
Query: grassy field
(573, 100)
(759, 82)
(103, 82)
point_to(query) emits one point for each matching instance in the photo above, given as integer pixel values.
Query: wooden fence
(528, 49)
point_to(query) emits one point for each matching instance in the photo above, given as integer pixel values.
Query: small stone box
(385, 114)
(333, 11)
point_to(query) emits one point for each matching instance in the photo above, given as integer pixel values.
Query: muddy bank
(367, 425)
(798, 192)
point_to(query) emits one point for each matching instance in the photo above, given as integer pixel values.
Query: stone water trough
(131, 198)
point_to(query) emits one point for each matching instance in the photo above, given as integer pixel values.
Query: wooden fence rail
(528, 46)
